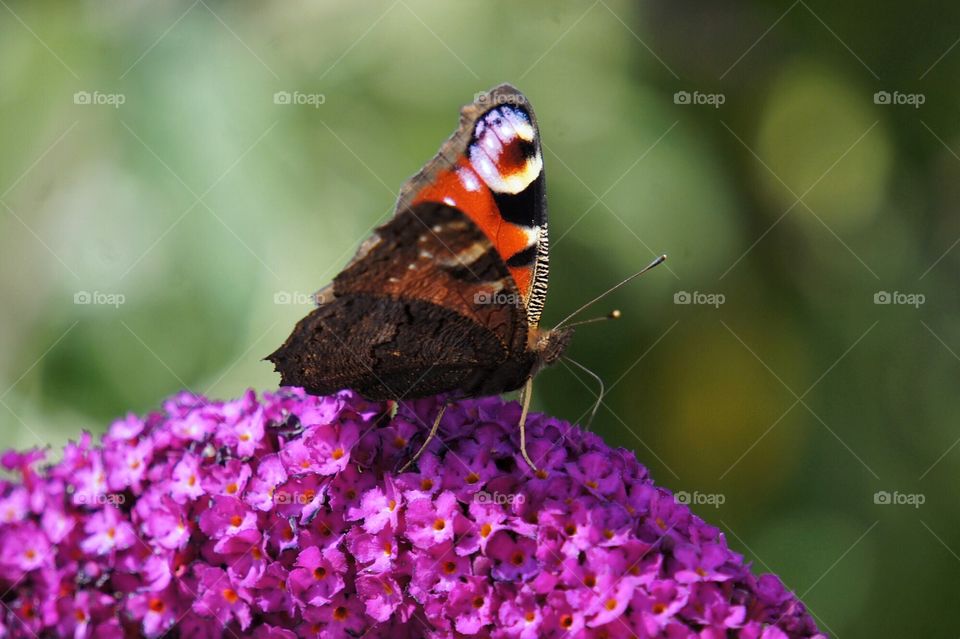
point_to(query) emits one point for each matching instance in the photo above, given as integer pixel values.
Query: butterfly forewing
(447, 295)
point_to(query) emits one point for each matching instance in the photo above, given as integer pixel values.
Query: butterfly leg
(526, 393)
(433, 432)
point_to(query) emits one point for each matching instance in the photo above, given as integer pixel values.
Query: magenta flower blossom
(286, 517)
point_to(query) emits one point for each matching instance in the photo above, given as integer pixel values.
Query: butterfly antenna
(589, 372)
(610, 290)
(614, 314)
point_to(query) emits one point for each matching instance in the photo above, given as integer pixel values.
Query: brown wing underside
(434, 253)
(386, 348)
(426, 307)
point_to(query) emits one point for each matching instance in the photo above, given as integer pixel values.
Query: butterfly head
(549, 345)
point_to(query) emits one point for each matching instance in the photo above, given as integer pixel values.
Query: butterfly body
(446, 296)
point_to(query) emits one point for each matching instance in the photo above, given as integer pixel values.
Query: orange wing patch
(464, 189)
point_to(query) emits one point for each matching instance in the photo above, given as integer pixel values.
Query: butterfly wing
(491, 168)
(444, 295)
(430, 307)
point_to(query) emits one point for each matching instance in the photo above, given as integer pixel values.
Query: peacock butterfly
(446, 297)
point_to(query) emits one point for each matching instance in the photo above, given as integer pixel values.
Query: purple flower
(318, 575)
(107, 531)
(431, 521)
(514, 557)
(284, 516)
(219, 598)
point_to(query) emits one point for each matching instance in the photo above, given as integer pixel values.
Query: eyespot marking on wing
(504, 150)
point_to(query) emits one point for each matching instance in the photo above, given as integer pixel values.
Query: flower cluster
(287, 517)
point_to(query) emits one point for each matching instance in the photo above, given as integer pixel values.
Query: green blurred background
(145, 168)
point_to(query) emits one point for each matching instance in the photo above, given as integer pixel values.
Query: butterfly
(445, 297)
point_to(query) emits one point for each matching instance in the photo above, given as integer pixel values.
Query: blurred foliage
(203, 203)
